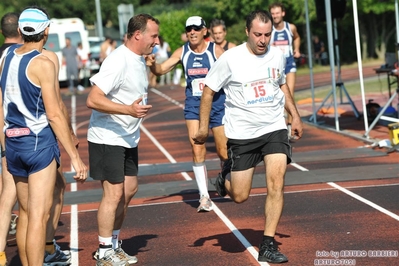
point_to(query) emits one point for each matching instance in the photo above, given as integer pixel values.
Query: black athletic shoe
(219, 185)
(269, 252)
(221, 178)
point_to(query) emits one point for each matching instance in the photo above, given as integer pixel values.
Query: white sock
(106, 242)
(201, 177)
(115, 239)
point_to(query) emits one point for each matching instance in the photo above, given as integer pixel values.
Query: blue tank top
(26, 124)
(283, 39)
(196, 66)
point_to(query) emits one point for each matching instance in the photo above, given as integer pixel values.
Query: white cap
(195, 21)
(33, 18)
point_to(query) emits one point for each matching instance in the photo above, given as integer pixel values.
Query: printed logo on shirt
(282, 42)
(197, 71)
(17, 132)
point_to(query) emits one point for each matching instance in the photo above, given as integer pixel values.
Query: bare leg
(276, 165)
(8, 198)
(238, 184)
(109, 207)
(220, 142)
(35, 206)
(56, 209)
(130, 189)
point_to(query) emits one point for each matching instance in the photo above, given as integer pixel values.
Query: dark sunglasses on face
(196, 28)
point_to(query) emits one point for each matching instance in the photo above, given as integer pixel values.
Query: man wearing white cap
(33, 122)
(197, 56)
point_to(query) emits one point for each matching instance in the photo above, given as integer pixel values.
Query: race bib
(258, 92)
(197, 86)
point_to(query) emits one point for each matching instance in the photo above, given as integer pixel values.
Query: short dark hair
(36, 37)
(9, 25)
(262, 15)
(280, 5)
(139, 22)
(217, 22)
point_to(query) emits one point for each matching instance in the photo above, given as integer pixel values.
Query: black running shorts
(246, 154)
(112, 163)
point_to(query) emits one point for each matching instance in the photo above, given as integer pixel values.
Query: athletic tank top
(283, 39)
(26, 124)
(196, 66)
(226, 46)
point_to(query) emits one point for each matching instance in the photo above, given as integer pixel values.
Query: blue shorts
(26, 163)
(290, 65)
(191, 109)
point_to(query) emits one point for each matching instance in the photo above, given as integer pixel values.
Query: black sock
(268, 239)
(49, 243)
(105, 246)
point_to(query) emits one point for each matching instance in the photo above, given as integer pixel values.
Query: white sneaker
(111, 259)
(124, 256)
(205, 204)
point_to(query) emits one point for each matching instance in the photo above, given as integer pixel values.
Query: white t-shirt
(123, 79)
(254, 101)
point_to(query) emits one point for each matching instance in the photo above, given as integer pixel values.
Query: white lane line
(167, 97)
(74, 242)
(237, 234)
(218, 212)
(303, 169)
(163, 150)
(371, 204)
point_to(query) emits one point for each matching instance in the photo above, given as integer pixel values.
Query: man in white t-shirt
(119, 102)
(252, 76)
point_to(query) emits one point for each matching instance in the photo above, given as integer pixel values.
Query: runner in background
(286, 37)
(197, 56)
(218, 32)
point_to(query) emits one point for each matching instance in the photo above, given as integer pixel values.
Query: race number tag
(258, 92)
(198, 86)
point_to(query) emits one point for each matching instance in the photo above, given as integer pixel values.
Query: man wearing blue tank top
(285, 36)
(197, 56)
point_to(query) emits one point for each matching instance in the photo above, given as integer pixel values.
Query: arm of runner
(205, 111)
(42, 72)
(98, 101)
(296, 124)
(54, 58)
(296, 40)
(168, 65)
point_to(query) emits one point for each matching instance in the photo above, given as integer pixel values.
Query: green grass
(373, 85)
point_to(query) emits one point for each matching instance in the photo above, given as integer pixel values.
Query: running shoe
(205, 204)
(269, 252)
(111, 259)
(13, 224)
(67, 253)
(58, 258)
(221, 178)
(124, 256)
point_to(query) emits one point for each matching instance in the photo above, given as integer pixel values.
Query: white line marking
(238, 234)
(163, 150)
(371, 204)
(167, 97)
(74, 242)
(303, 169)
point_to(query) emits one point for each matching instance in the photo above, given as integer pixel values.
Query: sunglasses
(196, 28)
